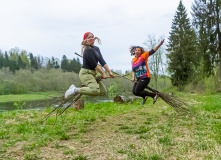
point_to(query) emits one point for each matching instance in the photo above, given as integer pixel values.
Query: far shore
(34, 96)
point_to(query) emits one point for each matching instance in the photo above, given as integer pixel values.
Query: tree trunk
(220, 66)
(79, 104)
(123, 99)
(218, 33)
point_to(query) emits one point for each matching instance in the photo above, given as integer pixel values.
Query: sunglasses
(138, 47)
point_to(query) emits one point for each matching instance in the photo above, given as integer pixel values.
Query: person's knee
(135, 92)
(96, 90)
(103, 92)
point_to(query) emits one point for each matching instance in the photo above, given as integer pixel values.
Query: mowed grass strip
(28, 97)
(116, 131)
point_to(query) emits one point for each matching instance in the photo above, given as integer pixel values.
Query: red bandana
(86, 35)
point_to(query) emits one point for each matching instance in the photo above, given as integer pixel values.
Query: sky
(56, 27)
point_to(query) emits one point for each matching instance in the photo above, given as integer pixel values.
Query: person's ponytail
(84, 44)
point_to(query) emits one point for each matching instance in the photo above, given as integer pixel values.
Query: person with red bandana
(91, 56)
(140, 70)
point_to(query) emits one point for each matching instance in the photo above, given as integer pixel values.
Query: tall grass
(116, 131)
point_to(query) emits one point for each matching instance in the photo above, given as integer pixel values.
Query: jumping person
(141, 71)
(91, 56)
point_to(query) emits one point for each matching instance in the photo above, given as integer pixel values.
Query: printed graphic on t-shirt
(139, 67)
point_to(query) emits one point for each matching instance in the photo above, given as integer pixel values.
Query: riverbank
(28, 97)
(116, 131)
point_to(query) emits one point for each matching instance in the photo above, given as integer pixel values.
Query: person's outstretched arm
(152, 51)
(158, 46)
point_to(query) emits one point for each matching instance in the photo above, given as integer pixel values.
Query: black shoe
(144, 100)
(155, 98)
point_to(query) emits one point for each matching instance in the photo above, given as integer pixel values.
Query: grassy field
(28, 97)
(116, 131)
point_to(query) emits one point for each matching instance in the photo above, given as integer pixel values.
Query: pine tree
(78, 66)
(21, 64)
(71, 65)
(36, 64)
(31, 59)
(13, 66)
(6, 61)
(1, 60)
(56, 65)
(53, 61)
(49, 65)
(64, 63)
(182, 49)
(206, 19)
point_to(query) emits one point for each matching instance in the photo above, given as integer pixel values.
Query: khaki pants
(93, 88)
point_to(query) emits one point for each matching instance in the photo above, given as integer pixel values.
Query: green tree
(206, 19)
(33, 61)
(53, 61)
(24, 57)
(64, 63)
(21, 64)
(2, 59)
(56, 65)
(40, 61)
(182, 49)
(6, 61)
(76, 65)
(13, 66)
(49, 65)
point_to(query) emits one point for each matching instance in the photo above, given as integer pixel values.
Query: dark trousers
(140, 85)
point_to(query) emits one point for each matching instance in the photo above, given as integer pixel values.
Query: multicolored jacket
(139, 65)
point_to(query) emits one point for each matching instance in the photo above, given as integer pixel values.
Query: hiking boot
(155, 98)
(70, 91)
(144, 100)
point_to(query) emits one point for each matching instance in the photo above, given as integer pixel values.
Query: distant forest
(16, 59)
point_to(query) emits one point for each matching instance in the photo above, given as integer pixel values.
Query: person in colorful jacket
(91, 56)
(141, 71)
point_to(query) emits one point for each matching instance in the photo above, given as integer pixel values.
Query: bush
(24, 81)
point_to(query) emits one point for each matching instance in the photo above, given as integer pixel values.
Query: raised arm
(158, 46)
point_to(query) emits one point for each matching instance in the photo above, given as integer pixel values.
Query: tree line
(16, 59)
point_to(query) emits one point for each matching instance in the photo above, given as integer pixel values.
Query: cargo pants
(92, 88)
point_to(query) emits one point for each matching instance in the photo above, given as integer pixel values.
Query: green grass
(116, 131)
(28, 97)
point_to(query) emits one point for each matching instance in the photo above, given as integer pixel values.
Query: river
(33, 105)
